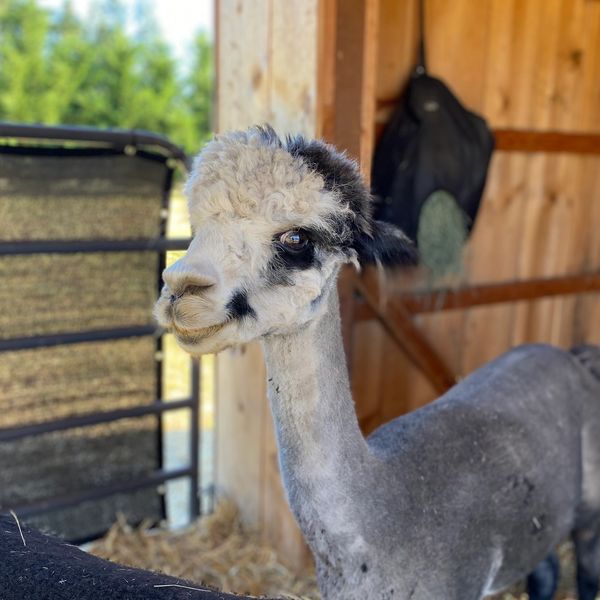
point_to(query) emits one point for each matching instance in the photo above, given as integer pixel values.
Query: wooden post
(266, 72)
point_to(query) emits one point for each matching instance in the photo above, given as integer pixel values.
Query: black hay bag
(432, 143)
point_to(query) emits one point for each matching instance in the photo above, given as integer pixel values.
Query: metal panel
(82, 246)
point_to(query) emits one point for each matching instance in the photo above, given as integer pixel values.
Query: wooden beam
(326, 70)
(529, 140)
(348, 74)
(482, 295)
(398, 322)
(369, 79)
(355, 74)
(514, 140)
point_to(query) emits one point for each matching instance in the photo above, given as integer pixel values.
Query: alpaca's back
(589, 357)
(498, 457)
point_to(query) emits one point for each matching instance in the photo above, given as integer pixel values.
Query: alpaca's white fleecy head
(272, 222)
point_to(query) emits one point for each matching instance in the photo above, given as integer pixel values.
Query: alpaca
(454, 501)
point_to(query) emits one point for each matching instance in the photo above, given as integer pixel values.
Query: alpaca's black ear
(386, 245)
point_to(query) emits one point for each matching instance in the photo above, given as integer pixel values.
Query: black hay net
(80, 258)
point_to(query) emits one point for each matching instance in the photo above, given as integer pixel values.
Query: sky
(177, 19)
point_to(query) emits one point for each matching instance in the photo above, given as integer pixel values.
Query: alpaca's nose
(182, 279)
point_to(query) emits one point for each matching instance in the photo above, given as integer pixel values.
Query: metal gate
(83, 216)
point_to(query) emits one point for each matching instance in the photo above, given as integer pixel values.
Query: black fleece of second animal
(46, 568)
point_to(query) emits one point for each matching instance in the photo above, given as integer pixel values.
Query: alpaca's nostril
(192, 289)
(181, 279)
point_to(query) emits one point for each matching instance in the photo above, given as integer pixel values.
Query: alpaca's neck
(323, 455)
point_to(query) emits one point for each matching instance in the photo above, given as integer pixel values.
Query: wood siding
(523, 64)
(267, 72)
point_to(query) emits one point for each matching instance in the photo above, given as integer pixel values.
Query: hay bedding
(214, 551)
(217, 551)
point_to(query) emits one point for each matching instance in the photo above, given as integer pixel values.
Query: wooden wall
(331, 67)
(267, 72)
(525, 64)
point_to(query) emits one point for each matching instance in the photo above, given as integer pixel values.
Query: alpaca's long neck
(323, 455)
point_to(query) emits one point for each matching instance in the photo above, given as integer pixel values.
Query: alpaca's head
(272, 222)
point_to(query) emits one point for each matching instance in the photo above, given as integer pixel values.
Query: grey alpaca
(454, 501)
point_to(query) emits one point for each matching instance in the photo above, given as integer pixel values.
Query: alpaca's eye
(294, 240)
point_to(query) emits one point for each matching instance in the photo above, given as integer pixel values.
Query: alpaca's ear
(386, 245)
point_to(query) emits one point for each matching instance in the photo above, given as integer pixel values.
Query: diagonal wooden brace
(398, 322)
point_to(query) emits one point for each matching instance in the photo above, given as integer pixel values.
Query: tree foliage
(56, 68)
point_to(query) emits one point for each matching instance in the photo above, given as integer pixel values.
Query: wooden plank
(367, 368)
(482, 295)
(588, 53)
(349, 75)
(498, 77)
(355, 79)
(240, 410)
(567, 100)
(243, 64)
(398, 322)
(397, 52)
(294, 97)
(488, 332)
(369, 79)
(293, 77)
(528, 107)
(353, 131)
(326, 89)
(558, 249)
(587, 315)
(264, 75)
(524, 68)
(543, 99)
(513, 140)
(406, 387)
(462, 64)
(532, 215)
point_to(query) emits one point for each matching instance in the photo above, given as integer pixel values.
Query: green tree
(200, 87)
(23, 80)
(69, 59)
(57, 69)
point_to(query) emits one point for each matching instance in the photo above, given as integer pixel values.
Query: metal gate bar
(67, 247)
(61, 339)
(99, 492)
(14, 433)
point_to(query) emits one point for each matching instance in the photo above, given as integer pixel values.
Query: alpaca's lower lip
(195, 335)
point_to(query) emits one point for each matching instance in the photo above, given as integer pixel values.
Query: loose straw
(12, 512)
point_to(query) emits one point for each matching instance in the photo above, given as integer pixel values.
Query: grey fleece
(454, 501)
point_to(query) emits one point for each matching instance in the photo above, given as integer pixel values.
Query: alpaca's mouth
(196, 335)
